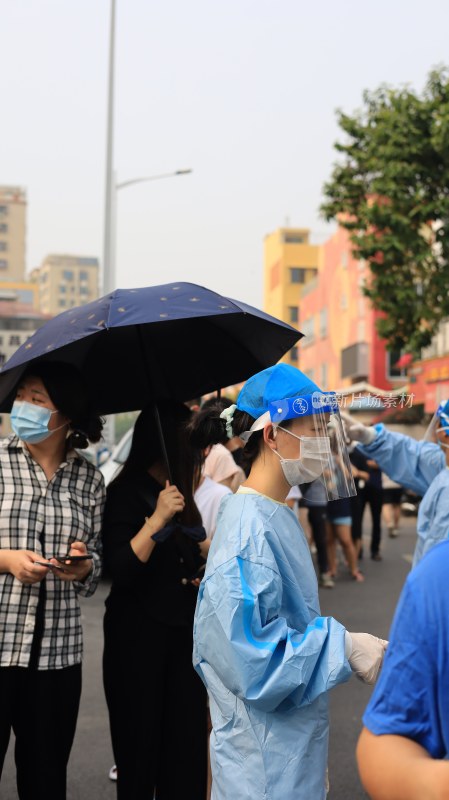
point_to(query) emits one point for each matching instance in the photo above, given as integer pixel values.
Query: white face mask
(315, 454)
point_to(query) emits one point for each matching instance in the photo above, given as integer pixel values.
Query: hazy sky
(244, 92)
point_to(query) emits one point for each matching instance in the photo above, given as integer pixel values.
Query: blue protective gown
(421, 467)
(266, 655)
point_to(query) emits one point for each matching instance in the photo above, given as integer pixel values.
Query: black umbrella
(177, 340)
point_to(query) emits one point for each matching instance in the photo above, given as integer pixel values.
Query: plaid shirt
(46, 516)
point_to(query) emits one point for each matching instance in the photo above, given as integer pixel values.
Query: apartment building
(65, 281)
(290, 262)
(13, 209)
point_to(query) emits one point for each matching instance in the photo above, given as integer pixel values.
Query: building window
(62, 288)
(84, 290)
(84, 276)
(61, 303)
(3, 247)
(323, 379)
(297, 274)
(392, 371)
(323, 323)
(3, 263)
(14, 341)
(3, 227)
(308, 329)
(294, 354)
(293, 238)
(344, 259)
(293, 314)
(3, 210)
(361, 330)
(67, 275)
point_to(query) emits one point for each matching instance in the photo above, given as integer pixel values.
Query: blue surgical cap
(275, 383)
(443, 415)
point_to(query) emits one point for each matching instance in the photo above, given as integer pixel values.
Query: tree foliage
(390, 190)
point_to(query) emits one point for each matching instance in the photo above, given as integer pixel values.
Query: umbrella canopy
(177, 340)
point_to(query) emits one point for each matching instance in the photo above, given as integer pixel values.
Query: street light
(111, 188)
(153, 178)
(109, 269)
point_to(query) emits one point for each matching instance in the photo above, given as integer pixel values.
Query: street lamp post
(110, 268)
(111, 188)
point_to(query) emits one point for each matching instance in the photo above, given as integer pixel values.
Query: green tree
(390, 190)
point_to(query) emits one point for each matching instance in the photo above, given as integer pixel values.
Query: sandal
(358, 576)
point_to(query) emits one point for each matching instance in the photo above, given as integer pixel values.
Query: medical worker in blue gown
(421, 466)
(261, 646)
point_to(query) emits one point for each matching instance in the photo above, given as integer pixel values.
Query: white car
(120, 453)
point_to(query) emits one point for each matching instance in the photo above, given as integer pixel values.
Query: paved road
(368, 606)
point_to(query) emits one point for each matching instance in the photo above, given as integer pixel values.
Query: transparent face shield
(322, 449)
(439, 421)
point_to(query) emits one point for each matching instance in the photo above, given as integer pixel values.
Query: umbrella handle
(162, 442)
(155, 408)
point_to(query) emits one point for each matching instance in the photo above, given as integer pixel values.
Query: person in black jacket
(156, 701)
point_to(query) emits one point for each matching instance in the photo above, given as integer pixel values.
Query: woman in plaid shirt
(51, 505)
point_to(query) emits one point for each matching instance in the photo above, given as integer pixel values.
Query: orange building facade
(341, 345)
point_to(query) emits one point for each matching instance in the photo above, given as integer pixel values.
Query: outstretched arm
(397, 768)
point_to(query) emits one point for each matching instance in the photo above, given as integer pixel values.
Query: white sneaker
(113, 773)
(326, 581)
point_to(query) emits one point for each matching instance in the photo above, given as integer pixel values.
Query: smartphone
(73, 558)
(47, 564)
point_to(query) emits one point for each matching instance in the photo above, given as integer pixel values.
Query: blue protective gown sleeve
(252, 649)
(410, 463)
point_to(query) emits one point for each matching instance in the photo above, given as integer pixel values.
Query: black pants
(41, 707)
(356, 515)
(157, 709)
(317, 520)
(373, 497)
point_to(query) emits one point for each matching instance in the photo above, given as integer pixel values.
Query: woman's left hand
(73, 570)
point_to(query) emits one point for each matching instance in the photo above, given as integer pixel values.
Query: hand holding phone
(75, 559)
(48, 564)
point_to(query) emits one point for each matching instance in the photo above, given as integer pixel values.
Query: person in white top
(208, 497)
(221, 467)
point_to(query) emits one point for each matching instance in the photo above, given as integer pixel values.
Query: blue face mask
(30, 422)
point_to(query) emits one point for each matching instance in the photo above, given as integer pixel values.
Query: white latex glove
(365, 654)
(357, 431)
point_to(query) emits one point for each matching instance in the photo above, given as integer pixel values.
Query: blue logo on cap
(300, 406)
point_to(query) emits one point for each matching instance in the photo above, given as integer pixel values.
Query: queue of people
(241, 595)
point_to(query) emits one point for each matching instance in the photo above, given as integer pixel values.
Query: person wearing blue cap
(261, 646)
(421, 466)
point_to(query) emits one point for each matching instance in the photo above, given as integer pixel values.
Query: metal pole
(108, 278)
(108, 245)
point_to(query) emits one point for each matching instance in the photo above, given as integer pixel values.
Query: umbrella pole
(162, 441)
(157, 417)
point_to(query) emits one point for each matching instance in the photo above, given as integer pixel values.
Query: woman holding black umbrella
(51, 502)
(152, 530)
